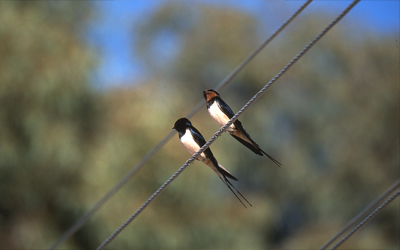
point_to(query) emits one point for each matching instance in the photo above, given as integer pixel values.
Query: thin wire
(110, 193)
(232, 75)
(250, 57)
(366, 220)
(222, 129)
(362, 214)
(294, 60)
(149, 155)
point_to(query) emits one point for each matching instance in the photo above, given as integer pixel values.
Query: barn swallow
(222, 113)
(192, 140)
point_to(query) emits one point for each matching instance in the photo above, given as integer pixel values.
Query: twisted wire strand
(150, 154)
(294, 60)
(223, 128)
(110, 193)
(366, 220)
(229, 78)
(362, 214)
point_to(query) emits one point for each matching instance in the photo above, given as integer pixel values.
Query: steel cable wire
(366, 220)
(362, 213)
(222, 129)
(79, 223)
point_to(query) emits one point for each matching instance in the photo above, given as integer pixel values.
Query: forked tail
(229, 185)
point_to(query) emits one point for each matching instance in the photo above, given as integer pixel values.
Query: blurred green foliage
(332, 121)
(48, 119)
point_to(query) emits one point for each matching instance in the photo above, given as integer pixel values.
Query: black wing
(256, 149)
(253, 146)
(250, 146)
(197, 136)
(228, 112)
(224, 108)
(199, 139)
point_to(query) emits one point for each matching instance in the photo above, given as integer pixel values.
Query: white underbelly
(190, 145)
(218, 116)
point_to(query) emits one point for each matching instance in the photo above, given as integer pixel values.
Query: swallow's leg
(191, 162)
(215, 134)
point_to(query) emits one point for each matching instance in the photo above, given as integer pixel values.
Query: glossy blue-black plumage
(183, 126)
(213, 97)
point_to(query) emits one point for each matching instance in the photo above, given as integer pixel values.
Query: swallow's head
(210, 94)
(181, 124)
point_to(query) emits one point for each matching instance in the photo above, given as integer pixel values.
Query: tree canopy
(332, 121)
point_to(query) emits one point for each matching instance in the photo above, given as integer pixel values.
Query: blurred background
(88, 88)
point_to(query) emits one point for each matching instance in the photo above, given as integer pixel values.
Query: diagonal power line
(366, 220)
(362, 214)
(222, 129)
(81, 221)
